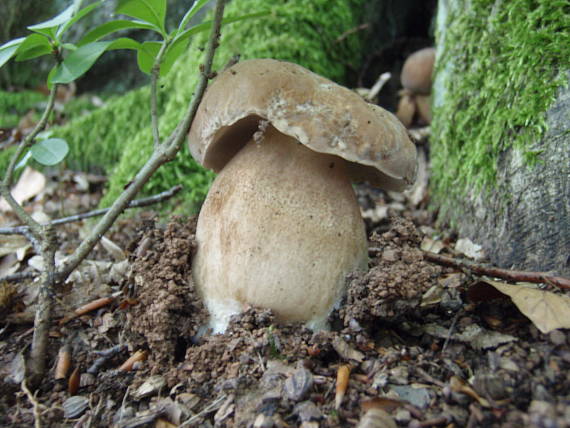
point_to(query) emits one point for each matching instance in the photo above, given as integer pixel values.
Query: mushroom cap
(417, 71)
(318, 113)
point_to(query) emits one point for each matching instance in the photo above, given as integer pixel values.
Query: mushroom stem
(280, 229)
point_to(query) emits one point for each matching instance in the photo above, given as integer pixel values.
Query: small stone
(263, 421)
(557, 338)
(298, 384)
(403, 417)
(390, 255)
(307, 411)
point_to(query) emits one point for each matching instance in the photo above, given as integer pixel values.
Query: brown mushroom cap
(318, 113)
(417, 71)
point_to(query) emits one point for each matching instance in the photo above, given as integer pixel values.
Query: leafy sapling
(72, 60)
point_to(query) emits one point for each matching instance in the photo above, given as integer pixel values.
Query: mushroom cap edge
(317, 112)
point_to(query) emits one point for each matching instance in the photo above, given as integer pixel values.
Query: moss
(97, 140)
(299, 31)
(13, 105)
(509, 61)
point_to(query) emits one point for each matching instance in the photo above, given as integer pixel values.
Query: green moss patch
(299, 31)
(14, 105)
(510, 59)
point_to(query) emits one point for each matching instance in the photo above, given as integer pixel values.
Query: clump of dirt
(397, 280)
(168, 312)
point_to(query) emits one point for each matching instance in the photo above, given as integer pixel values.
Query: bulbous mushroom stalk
(280, 227)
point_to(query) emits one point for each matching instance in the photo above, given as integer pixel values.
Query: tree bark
(522, 220)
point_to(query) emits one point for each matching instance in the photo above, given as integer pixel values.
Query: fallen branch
(508, 275)
(138, 203)
(17, 277)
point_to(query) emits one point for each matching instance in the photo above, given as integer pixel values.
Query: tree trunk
(521, 215)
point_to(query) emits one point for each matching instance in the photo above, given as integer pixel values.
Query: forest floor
(414, 344)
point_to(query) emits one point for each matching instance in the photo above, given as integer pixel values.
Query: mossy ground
(509, 60)
(13, 105)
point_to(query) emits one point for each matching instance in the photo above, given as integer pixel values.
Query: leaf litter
(407, 339)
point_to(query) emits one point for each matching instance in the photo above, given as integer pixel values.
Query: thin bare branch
(175, 140)
(29, 139)
(9, 174)
(137, 203)
(154, 76)
(506, 274)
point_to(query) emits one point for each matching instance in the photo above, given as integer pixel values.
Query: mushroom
(280, 227)
(417, 71)
(416, 78)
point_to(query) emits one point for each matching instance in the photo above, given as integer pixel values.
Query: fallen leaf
(470, 249)
(547, 310)
(12, 243)
(30, 184)
(433, 245)
(346, 351)
(377, 418)
(113, 249)
(474, 335)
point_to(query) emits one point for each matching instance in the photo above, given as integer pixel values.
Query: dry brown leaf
(12, 243)
(547, 311)
(30, 184)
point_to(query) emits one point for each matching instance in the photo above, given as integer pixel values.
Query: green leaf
(79, 15)
(111, 27)
(48, 27)
(33, 46)
(124, 43)
(147, 54)
(172, 54)
(151, 11)
(8, 49)
(50, 152)
(198, 4)
(81, 60)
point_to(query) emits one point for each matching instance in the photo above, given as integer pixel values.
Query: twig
(508, 275)
(6, 183)
(420, 135)
(214, 405)
(155, 74)
(104, 356)
(351, 31)
(377, 87)
(17, 277)
(35, 403)
(450, 332)
(137, 203)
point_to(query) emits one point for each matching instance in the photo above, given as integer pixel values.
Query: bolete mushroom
(281, 227)
(417, 71)
(416, 78)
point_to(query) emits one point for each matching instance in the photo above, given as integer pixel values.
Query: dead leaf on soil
(470, 249)
(30, 184)
(547, 311)
(13, 243)
(433, 245)
(473, 334)
(346, 351)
